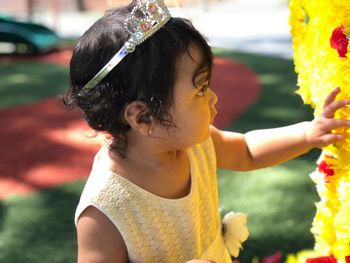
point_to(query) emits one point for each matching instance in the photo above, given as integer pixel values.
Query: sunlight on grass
(15, 79)
(271, 112)
(267, 79)
(26, 82)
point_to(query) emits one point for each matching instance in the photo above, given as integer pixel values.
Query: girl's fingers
(332, 107)
(338, 123)
(331, 97)
(331, 138)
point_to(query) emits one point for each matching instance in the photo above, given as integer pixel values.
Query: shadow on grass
(39, 227)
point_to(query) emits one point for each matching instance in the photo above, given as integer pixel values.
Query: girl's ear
(137, 115)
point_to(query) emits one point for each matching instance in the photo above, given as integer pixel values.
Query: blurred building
(21, 6)
(70, 17)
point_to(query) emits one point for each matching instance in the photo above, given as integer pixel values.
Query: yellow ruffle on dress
(322, 66)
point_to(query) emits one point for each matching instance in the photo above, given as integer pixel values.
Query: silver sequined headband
(146, 18)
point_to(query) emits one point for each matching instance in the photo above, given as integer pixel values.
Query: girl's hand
(319, 132)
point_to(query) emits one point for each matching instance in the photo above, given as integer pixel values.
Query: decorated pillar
(321, 30)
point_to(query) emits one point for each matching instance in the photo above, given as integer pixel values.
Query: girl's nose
(213, 98)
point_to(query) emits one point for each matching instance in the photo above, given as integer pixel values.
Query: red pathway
(43, 145)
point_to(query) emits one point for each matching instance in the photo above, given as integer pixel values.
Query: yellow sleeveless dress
(157, 229)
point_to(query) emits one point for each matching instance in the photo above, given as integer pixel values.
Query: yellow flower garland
(320, 69)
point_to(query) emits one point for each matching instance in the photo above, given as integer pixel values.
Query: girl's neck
(165, 174)
(155, 160)
(146, 158)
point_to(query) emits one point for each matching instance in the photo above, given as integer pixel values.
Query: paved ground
(255, 26)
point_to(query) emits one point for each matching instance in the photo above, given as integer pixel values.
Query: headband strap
(146, 18)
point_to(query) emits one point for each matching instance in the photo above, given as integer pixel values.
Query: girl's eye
(202, 89)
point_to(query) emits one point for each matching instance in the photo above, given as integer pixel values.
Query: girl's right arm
(98, 239)
(262, 148)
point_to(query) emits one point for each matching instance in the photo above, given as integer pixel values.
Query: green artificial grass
(279, 200)
(39, 227)
(280, 206)
(26, 82)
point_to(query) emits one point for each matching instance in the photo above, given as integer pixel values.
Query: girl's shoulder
(101, 186)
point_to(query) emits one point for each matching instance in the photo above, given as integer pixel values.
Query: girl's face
(194, 103)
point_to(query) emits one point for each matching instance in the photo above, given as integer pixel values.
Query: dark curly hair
(148, 74)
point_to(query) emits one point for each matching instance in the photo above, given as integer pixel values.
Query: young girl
(142, 77)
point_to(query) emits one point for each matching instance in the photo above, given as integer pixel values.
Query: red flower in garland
(347, 259)
(327, 259)
(325, 168)
(340, 41)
